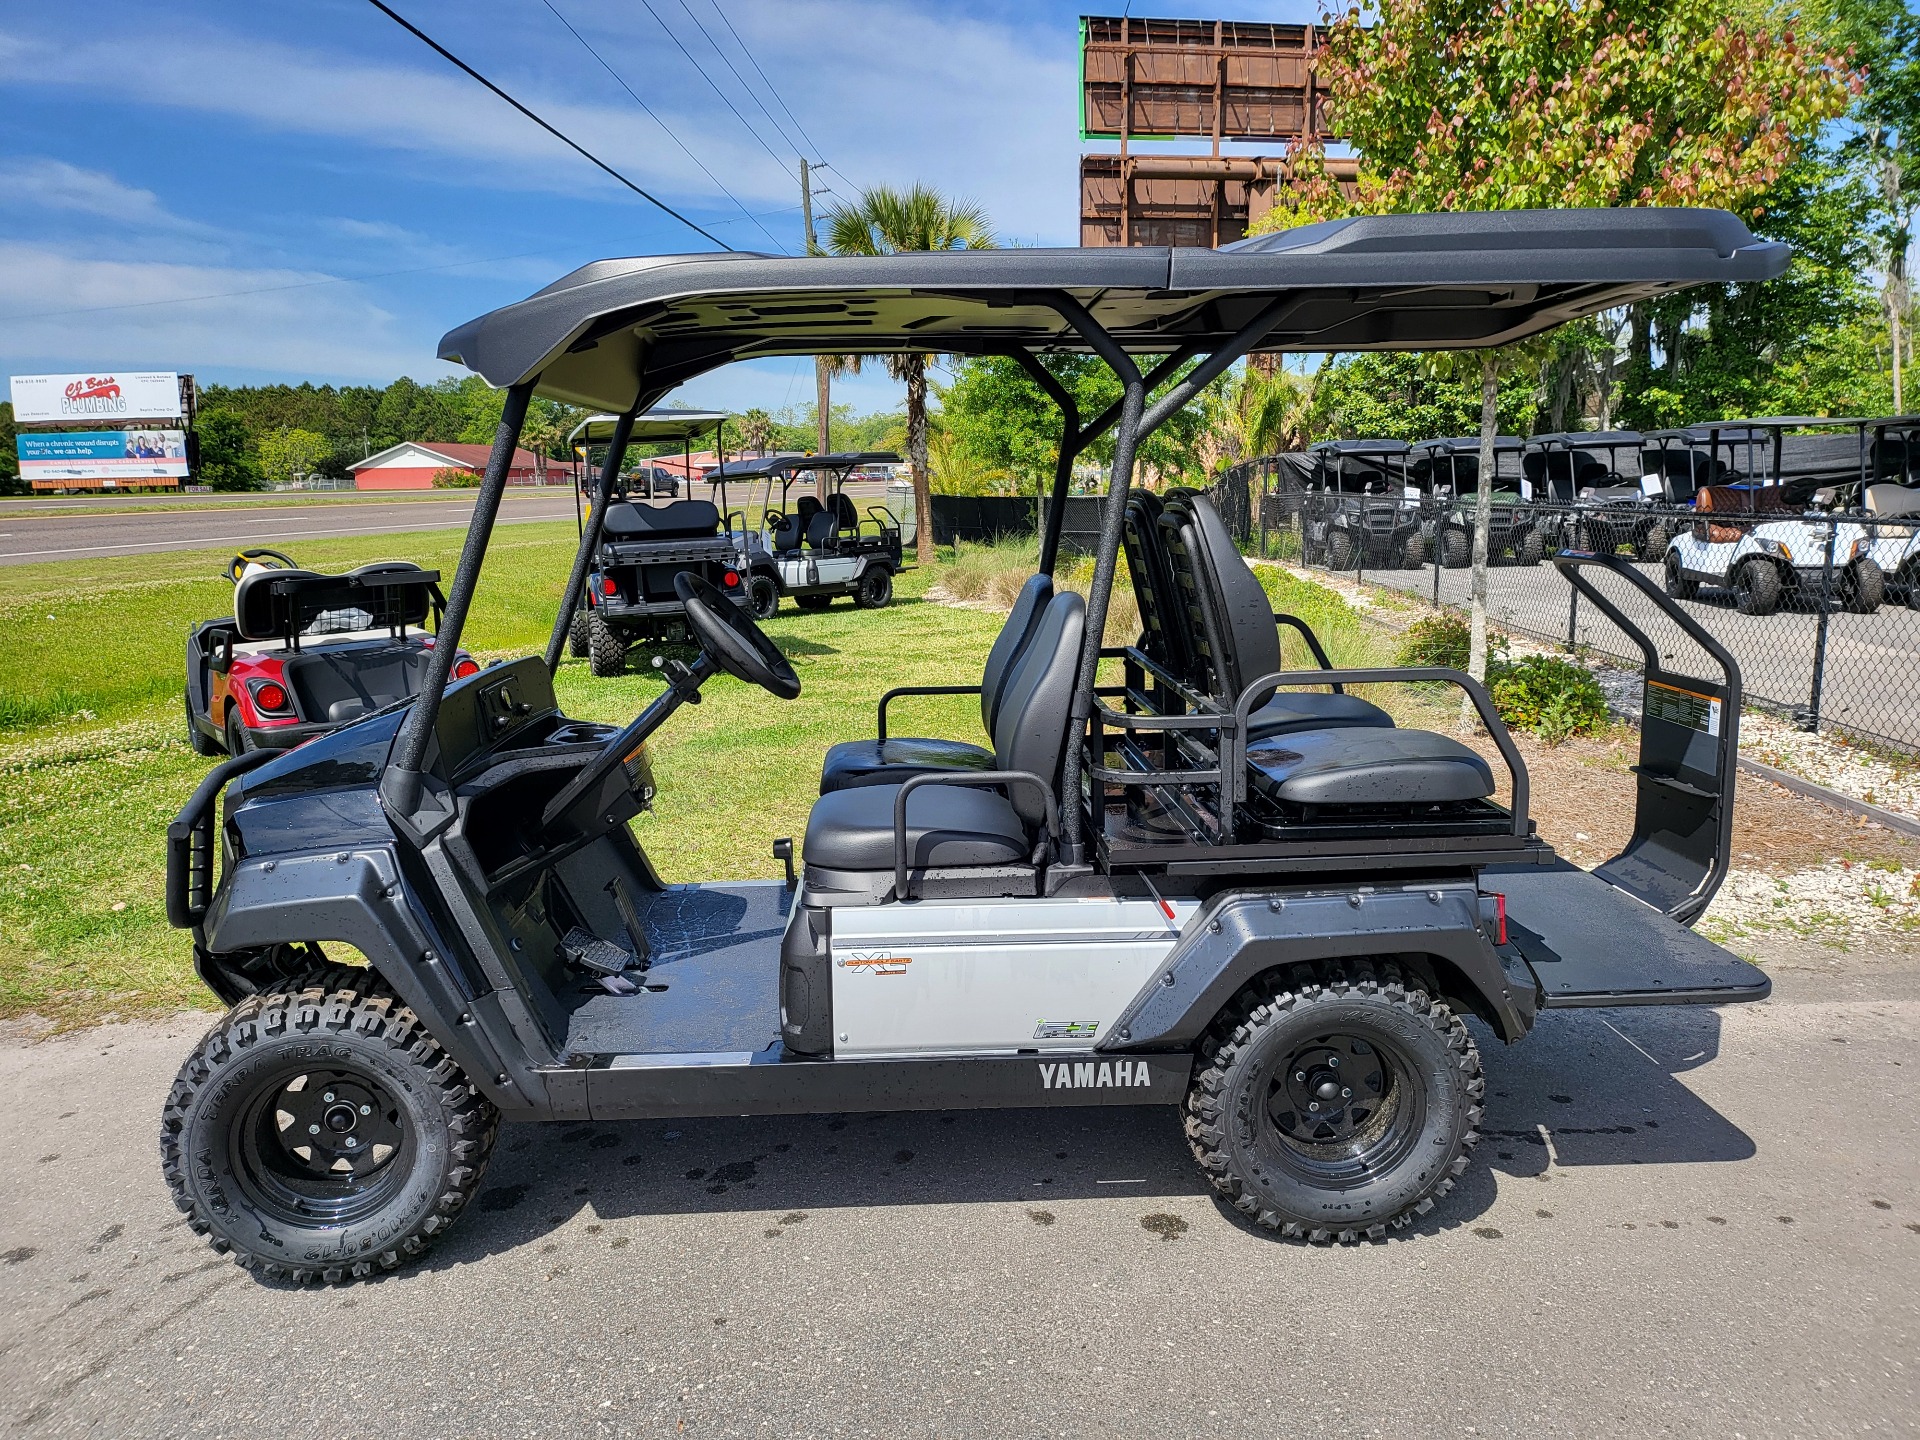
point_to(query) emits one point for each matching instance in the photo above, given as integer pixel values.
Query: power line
(661, 123)
(648, 4)
(570, 143)
(771, 89)
(752, 92)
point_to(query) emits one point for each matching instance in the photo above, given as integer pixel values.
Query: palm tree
(755, 429)
(885, 221)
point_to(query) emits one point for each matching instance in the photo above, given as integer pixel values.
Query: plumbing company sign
(116, 395)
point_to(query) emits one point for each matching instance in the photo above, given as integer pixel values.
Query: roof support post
(590, 539)
(1133, 399)
(400, 786)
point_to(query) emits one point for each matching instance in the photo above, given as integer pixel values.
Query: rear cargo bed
(1589, 943)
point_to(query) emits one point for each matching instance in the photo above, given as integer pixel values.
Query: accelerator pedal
(590, 952)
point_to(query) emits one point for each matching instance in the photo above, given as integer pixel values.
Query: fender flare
(1242, 935)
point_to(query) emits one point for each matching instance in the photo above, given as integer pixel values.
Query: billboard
(118, 395)
(129, 456)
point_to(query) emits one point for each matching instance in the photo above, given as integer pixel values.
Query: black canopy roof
(1587, 440)
(618, 332)
(657, 424)
(778, 465)
(1469, 445)
(1361, 447)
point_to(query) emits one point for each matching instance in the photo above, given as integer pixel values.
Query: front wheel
(606, 652)
(1654, 543)
(1756, 588)
(1456, 548)
(1336, 1110)
(874, 590)
(1531, 549)
(1679, 585)
(1341, 551)
(1863, 587)
(763, 597)
(323, 1136)
(1414, 555)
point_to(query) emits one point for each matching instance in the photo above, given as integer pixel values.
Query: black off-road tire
(577, 640)
(367, 1037)
(1413, 554)
(1341, 551)
(1680, 585)
(1912, 582)
(813, 602)
(763, 597)
(606, 651)
(1756, 587)
(1530, 548)
(1456, 548)
(874, 589)
(1429, 1131)
(1863, 587)
(239, 742)
(200, 743)
(1654, 543)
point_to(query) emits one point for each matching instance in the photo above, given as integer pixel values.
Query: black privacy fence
(1821, 611)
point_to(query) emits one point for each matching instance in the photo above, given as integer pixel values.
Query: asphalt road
(1680, 1221)
(99, 531)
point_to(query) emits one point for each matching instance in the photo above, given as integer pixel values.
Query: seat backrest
(792, 528)
(679, 519)
(1890, 499)
(1010, 644)
(1154, 591)
(1030, 732)
(256, 615)
(844, 511)
(1248, 641)
(822, 529)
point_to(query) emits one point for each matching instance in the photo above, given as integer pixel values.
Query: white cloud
(39, 183)
(59, 311)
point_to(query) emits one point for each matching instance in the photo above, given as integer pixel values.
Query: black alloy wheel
(763, 597)
(874, 589)
(324, 1144)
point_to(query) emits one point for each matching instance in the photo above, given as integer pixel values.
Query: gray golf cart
(640, 549)
(1360, 507)
(806, 548)
(1590, 493)
(1181, 871)
(1447, 472)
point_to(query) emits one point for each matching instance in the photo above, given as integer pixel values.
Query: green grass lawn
(94, 760)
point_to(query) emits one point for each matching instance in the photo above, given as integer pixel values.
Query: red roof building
(412, 464)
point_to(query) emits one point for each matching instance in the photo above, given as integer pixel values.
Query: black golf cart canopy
(1588, 440)
(1469, 445)
(620, 332)
(617, 335)
(1337, 448)
(781, 466)
(650, 425)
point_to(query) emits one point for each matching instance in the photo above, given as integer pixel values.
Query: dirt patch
(1583, 799)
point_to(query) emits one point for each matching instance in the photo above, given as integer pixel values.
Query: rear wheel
(606, 652)
(1912, 576)
(1415, 553)
(323, 1135)
(1335, 1111)
(1456, 548)
(763, 597)
(1679, 585)
(1756, 588)
(1531, 548)
(874, 589)
(239, 742)
(1654, 543)
(1863, 587)
(200, 743)
(577, 635)
(813, 602)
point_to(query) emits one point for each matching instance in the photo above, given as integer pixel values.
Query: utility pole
(822, 375)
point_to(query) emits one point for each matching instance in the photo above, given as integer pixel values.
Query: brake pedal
(590, 952)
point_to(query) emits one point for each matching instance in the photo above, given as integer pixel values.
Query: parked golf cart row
(1749, 506)
(1186, 876)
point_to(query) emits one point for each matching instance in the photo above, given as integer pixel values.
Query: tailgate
(1589, 943)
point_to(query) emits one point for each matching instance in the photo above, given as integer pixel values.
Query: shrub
(1552, 697)
(1441, 639)
(451, 479)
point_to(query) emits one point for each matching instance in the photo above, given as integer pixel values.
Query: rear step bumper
(1589, 943)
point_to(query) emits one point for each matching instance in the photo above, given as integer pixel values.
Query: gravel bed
(1834, 901)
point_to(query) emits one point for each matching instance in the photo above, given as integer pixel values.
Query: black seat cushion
(897, 758)
(682, 519)
(1292, 710)
(1368, 766)
(947, 825)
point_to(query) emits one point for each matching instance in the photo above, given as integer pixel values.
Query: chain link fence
(1822, 612)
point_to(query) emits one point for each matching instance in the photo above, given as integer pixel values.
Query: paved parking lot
(1684, 1221)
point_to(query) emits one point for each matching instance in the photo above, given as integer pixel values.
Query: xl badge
(876, 962)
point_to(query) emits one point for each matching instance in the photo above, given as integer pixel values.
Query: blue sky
(301, 190)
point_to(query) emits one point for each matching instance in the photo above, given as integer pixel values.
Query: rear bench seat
(1367, 767)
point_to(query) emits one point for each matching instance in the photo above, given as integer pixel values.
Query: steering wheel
(728, 634)
(237, 566)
